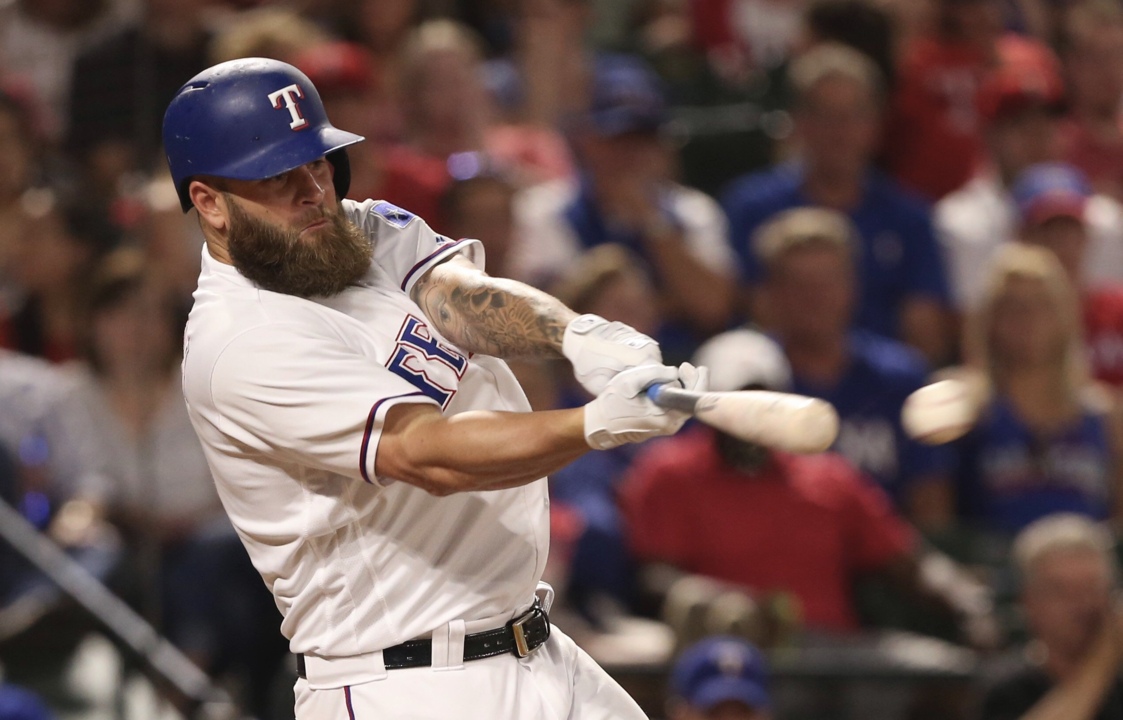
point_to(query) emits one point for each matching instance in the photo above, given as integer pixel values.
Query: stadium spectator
(709, 504)
(52, 463)
(626, 196)
(45, 430)
(40, 39)
(120, 87)
(382, 25)
(53, 248)
(482, 206)
(934, 141)
(1020, 107)
(552, 63)
(809, 294)
(449, 121)
(1054, 203)
(19, 161)
(861, 24)
(1092, 51)
(355, 92)
(838, 99)
(746, 34)
(719, 678)
(1045, 442)
(606, 280)
(160, 492)
(273, 32)
(172, 242)
(1070, 669)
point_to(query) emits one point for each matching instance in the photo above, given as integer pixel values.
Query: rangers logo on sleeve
(289, 95)
(433, 367)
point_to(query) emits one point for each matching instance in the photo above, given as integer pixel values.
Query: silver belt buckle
(521, 647)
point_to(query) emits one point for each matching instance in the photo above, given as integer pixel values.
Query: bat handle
(672, 397)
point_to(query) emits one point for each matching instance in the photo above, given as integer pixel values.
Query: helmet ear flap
(342, 176)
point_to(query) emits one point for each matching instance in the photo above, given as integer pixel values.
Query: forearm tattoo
(493, 316)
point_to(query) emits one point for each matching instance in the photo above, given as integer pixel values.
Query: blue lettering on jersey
(393, 214)
(421, 359)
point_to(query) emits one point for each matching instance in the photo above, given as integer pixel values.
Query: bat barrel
(777, 420)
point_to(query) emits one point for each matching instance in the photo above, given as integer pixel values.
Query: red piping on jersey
(347, 697)
(428, 258)
(370, 429)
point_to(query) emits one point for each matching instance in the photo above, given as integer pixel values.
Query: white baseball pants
(559, 681)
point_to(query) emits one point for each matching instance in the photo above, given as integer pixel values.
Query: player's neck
(216, 247)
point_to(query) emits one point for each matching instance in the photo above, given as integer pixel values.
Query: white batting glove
(599, 349)
(622, 413)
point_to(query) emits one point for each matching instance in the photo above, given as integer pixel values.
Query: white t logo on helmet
(288, 95)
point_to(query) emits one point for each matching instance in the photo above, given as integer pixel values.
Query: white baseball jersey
(288, 397)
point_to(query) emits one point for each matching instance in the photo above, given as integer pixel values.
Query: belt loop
(448, 646)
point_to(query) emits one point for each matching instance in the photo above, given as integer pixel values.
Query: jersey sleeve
(306, 397)
(405, 247)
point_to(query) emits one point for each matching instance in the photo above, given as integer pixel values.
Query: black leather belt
(520, 636)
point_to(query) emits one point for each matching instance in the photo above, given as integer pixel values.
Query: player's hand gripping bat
(782, 421)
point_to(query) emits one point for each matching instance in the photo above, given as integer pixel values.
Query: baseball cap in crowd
(721, 669)
(1050, 190)
(337, 67)
(743, 357)
(1030, 79)
(626, 97)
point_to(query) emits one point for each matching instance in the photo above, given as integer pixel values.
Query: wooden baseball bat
(783, 421)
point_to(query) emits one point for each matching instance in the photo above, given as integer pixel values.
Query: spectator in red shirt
(934, 141)
(1022, 112)
(1052, 206)
(450, 118)
(1092, 51)
(712, 505)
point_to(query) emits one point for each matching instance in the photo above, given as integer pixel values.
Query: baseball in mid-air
(939, 413)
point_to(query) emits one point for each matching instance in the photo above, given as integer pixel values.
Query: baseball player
(378, 459)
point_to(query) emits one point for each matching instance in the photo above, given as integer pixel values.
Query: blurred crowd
(842, 198)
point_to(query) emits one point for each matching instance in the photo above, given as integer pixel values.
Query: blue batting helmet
(250, 119)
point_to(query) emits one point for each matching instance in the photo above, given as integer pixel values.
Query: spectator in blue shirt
(809, 288)
(903, 291)
(626, 196)
(1047, 440)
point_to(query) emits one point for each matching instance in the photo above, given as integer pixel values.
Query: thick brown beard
(278, 259)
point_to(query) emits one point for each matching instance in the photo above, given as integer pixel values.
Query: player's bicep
(396, 456)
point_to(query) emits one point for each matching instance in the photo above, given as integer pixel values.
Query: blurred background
(844, 198)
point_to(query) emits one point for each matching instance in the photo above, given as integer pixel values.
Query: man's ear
(209, 203)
